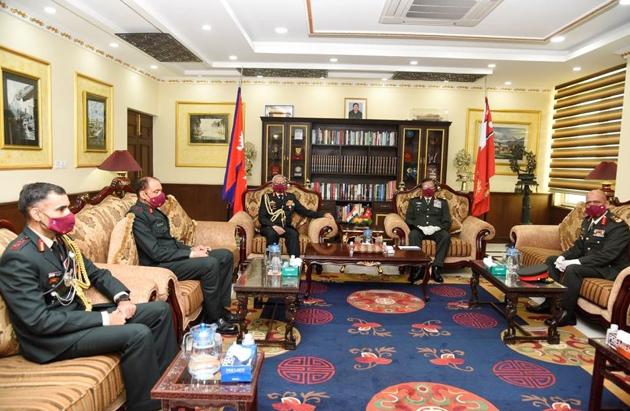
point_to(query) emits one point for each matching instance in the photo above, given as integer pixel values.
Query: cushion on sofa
(88, 383)
(259, 244)
(190, 296)
(570, 226)
(122, 245)
(457, 206)
(8, 340)
(536, 255)
(182, 226)
(596, 290)
(458, 247)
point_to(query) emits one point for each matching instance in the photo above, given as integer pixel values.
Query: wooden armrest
(243, 220)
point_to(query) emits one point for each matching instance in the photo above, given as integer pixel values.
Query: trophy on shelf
(298, 153)
(275, 151)
(297, 171)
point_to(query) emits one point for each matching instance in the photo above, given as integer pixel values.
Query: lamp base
(610, 193)
(119, 183)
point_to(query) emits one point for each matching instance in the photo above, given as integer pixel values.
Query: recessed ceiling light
(153, 67)
(206, 27)
(334, 59)
(508, 83)
(624, 2)
(259, 76)
(413, 62)
(114, 45)
(492, 65)
(557, 39)
(233, 57)
(577, 68)
(281, 30)
(50, 10)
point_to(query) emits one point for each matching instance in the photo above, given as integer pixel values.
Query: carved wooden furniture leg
(289, 337)
(474, 294)
(553, 337)
(511, 302)
(242, 315)
(425, 281)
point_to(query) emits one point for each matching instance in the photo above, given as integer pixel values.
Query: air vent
(437, 12)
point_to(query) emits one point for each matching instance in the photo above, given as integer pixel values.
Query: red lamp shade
(120, 160)
(606, 170)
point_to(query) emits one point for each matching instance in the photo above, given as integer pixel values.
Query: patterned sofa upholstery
(600, 300)
(89, 383)
(468, 234)
(311, 230)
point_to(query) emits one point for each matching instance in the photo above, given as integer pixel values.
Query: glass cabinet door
(410, 157)
(435, 154)
(297, 167)
(275, 150)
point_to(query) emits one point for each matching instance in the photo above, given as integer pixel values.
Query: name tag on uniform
(598, 232)
(437, 204)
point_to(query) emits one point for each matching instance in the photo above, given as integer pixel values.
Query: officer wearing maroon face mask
(600, 251)
(276, 211)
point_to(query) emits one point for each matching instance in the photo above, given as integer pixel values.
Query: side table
(607, 360)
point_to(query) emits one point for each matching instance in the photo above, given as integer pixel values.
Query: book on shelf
(356, 191)
(325, 136)
(365, 165)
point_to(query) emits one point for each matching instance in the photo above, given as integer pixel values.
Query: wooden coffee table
(513, 292)
(317, 255)
(254, 282)
(607, 360)
(178, 389)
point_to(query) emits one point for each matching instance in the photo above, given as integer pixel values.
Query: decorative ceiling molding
(457, 37)
(429, 76)
(275, 72)
(161, 46)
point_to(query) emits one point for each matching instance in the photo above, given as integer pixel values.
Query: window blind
(586, 127)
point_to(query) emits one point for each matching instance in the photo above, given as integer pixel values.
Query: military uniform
(277, 209)
(426, 212)
(158, 248)
(51, 323)
(602, 250)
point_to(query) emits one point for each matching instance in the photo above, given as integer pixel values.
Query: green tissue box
(290, 271)
(498, 270)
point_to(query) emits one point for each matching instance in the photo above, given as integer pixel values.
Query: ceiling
(516, 36)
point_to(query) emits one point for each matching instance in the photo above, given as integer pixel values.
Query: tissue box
(290, 271)
(232, 370)
(498, 270)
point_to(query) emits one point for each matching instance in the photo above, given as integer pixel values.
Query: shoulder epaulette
(19, 243)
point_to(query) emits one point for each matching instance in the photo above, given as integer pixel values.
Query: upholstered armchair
(468, 234)
(602, 301)
(310, 230)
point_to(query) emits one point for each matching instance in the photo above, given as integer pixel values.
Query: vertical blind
(586, 128)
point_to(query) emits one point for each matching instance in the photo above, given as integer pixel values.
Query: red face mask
(595, 210)
(428, 192)
(61, 225)
(158, 201)
(279, 188)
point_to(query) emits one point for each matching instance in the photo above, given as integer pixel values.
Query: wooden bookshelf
(355, 160)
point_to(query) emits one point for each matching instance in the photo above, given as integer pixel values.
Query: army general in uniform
(158, 248)
(428, 218)
(275, 215)
(44, 277)
(600, 251)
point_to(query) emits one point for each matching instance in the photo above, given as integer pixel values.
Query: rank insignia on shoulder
(41, 247)
(616, 219)
(19, 243)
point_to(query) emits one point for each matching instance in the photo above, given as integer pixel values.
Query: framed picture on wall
(279, 110)
(95, 122)
(208, 128)
(355, 108)
(25, 121)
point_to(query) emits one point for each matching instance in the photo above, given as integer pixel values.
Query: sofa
(315, 230)
(89, 383)
(469, 234)
(602, 301)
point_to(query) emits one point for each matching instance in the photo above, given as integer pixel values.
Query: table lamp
(120, 161)
(606, 171)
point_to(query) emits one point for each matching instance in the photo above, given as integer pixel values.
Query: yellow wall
(322, 100)
(130, 91)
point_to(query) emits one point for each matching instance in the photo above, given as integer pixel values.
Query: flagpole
(240, 83)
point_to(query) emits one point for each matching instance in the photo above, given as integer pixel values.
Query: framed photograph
(298, 134)
(94, 120)
(202, 133)
(209, 129)
(511, 128)
(95, 123)
(355, 108)
(25, 121)
(279, 110)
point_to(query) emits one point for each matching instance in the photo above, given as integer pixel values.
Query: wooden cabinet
(352, 162)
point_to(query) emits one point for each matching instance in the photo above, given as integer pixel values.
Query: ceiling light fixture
(233, 57)
(206, 27)
(281, 30)
(113, 45)
(153, 67)
(492, 65)
(50, 10)
(334, 59)
(413, 62)
(557, 39)
(577, 68)
(508, 83)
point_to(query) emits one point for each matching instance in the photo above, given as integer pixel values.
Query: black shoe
(229, 316)
(565, 319)
(224, 327)
(435, 274)
(415, 275)
(543, 308)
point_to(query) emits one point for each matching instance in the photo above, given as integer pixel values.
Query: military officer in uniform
(600, 251)
(428, 218)
(43, 279)
(158, 248)
(275, 214)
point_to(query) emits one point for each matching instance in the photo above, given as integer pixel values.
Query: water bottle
(249, 343)
(611, 335)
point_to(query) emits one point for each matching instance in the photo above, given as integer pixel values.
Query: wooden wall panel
(201, 202)
(505, 212)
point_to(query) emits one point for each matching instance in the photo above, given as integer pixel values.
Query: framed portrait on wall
(208, 128)
(94, 120)
(279, 110)
(25, 121)
(355, 108)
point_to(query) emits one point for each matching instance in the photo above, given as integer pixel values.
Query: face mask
(595, 210)
(61, 225)
(158, 201)
(279, 188)
(428, 192)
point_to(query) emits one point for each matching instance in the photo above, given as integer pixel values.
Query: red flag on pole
(484, 169)
(235, 181)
